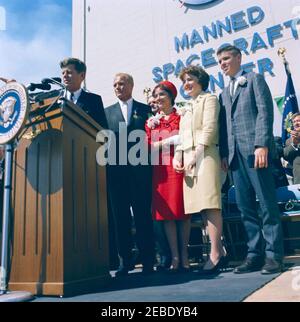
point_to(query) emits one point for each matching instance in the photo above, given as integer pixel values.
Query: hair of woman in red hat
(171, 87)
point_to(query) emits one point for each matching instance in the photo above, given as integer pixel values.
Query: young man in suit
(73, 74)
(129, 184)
(246, 146)
(292, 148)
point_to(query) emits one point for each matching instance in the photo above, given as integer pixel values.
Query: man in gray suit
(246, 146)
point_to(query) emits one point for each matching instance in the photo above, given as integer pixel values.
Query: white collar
(126, 108)
(76, 95)
(238, 74)
(128, 103)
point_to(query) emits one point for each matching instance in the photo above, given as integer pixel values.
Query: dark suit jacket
(130, 185)
(139, 116)
(293, 157)
(247, 119)
(92, 105)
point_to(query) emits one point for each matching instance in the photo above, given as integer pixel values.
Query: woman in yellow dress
(198, 156)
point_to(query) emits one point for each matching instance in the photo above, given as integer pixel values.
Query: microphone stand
(6, 296)
(46, 82)
(63, 92)
(6, 215)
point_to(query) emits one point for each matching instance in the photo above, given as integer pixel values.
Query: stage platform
(162, 287)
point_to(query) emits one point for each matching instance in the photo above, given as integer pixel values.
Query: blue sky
(38, 35)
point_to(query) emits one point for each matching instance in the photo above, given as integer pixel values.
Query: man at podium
(73, 74)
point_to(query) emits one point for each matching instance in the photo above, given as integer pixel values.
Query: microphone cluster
(33, 86)
(53, 80)
(45, 84)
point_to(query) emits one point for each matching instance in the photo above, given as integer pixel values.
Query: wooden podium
(60, 233)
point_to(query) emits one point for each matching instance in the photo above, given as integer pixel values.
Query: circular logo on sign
(14, 107)
(195, 2)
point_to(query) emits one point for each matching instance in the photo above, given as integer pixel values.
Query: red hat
(171, 87)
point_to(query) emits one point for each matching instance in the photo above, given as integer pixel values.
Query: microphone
(53, 80)
(33, 86)
(57, 79)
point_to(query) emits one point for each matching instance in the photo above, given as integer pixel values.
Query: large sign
(159, 38)
(14, 107)
(197, 42)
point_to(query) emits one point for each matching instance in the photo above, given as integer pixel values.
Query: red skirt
(167, 194)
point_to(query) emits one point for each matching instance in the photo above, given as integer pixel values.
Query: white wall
(135, 36)
(78, 28)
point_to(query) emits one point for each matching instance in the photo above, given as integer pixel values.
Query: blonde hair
(128, 77)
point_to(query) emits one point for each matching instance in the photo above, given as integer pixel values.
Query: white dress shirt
(235, 83)
(126, 108)
(75, 96)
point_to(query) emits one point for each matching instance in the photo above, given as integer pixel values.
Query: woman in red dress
(167, 192)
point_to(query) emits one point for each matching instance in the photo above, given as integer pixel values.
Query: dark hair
(79, 65)
(234, 50)
(167, 90)
(199, 73)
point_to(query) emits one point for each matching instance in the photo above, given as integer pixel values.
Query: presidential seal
(14, 108)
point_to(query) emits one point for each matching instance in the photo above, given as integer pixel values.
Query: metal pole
(5, 295)
(6, 214)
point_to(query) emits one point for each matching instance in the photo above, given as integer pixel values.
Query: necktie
(72, 97)
(128, 113)
(232, 85)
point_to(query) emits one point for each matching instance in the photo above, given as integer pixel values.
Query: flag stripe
(289, 107)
